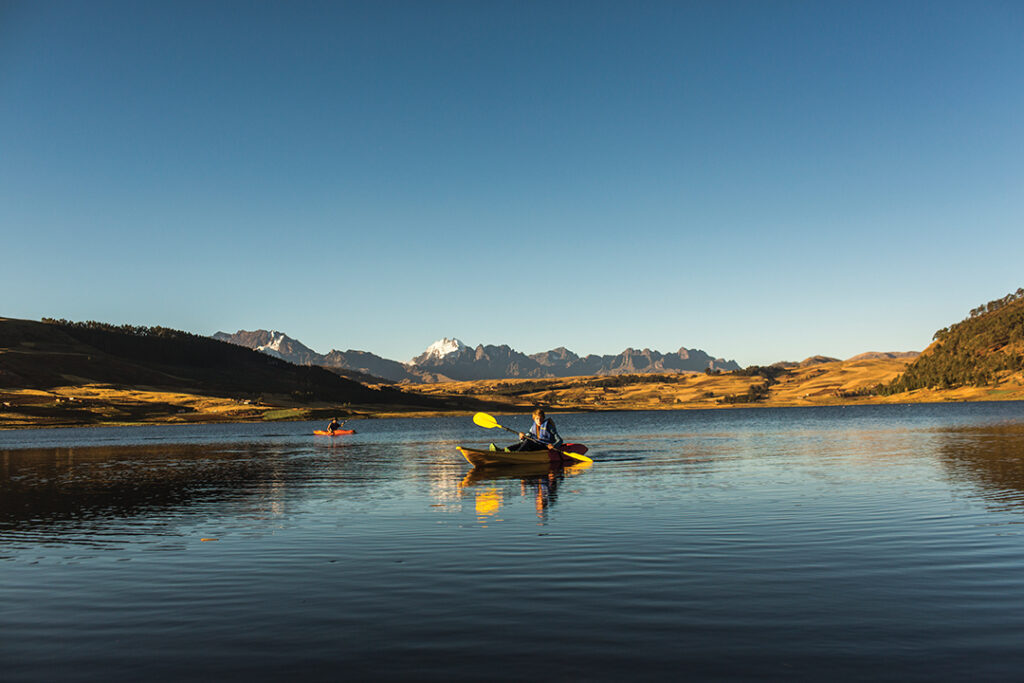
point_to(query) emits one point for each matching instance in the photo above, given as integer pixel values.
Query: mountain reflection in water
(990, 457)
(73, 494)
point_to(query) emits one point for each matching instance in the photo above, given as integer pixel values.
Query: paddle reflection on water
(490, 486)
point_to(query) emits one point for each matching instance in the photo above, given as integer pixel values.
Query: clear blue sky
(762, 180)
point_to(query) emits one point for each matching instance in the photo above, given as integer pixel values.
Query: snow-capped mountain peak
(440, 349)
(273, 347)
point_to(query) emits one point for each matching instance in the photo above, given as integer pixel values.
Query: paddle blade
(575, 451)
(485, 420)
(576, 456)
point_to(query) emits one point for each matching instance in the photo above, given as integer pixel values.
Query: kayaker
(334, 426)
(542, 434)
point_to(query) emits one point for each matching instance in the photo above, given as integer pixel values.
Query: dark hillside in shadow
(42, 355)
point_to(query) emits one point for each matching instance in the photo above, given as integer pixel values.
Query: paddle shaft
(531, 438)
(574, 456)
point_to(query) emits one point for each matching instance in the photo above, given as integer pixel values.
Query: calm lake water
(849, 543)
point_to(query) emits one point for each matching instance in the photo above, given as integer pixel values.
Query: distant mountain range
(451, 359)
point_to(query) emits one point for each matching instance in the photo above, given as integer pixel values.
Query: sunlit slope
(983, 350)
(818, 383)
(827, 382)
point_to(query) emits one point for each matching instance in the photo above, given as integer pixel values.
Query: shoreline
(356, 414)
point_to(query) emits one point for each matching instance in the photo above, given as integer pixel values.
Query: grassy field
(100, 404)
(111, 405)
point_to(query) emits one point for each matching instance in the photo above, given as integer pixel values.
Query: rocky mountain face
(370, 364)
(451, 359)
(503, 362)
(483, 362)
(640, 361)
(273, 343)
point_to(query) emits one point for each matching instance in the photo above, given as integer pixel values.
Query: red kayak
(336, 432)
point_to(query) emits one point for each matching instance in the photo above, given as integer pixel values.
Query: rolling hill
(984, 349)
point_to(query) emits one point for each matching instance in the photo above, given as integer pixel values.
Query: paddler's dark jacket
(546, 433)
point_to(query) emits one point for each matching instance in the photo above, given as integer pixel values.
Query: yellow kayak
(482, 458)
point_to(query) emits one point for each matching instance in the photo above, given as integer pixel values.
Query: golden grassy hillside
(105, 404)
(832, 382)
(111, 405)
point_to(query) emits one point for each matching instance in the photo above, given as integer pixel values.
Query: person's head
(538, 415)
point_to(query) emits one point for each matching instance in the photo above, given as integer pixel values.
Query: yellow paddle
(488, 422)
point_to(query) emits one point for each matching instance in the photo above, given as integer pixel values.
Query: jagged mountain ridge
(273, 343)
(451, 359)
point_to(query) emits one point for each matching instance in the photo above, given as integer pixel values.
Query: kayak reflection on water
(538, 482)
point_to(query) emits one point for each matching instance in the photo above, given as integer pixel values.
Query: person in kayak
(334, 426)
(542, 434)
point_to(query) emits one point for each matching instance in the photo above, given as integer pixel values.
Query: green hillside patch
(288, 414)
